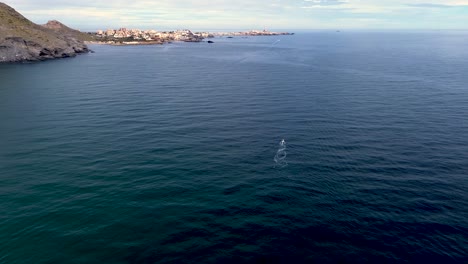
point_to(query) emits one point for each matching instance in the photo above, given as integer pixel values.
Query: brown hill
(63, 30)
(22, 40)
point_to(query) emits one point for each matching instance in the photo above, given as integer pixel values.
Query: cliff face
(22, 40)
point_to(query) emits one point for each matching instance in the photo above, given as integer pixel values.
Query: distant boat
(210, 41)
(230, 37)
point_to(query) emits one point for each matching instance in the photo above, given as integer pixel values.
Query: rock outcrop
(22, 40)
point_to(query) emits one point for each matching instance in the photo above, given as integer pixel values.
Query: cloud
(325, 2)
(429, 5)
(247, 14)
(326, 5)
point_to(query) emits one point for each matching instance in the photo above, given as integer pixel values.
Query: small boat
(210, 41)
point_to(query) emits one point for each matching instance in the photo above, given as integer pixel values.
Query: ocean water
(166, 154)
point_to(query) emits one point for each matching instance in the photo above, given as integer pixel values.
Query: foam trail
(280, 157)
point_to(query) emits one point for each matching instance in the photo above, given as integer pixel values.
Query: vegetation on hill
(22, 40)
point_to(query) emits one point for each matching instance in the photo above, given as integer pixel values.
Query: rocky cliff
(22, 40)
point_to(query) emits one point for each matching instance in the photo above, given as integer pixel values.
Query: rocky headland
(22, 40)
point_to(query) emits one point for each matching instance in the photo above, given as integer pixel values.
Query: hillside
(63, 30)
(22, 40)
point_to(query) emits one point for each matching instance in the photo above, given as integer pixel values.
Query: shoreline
(133, 43)
(124, 37)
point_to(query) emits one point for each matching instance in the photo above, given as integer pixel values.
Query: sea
(174, 153)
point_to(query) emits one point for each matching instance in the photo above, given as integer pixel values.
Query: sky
(248, 14)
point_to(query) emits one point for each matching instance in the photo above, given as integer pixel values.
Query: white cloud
(240, 14)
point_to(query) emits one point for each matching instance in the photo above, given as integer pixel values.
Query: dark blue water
(165, 154)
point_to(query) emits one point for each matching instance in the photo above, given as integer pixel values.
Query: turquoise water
(165, 154)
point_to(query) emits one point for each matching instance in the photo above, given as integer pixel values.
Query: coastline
(22, 40)
(131, 43)
(135, 37)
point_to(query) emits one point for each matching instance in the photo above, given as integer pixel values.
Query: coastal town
(21, 40)
(124, 36)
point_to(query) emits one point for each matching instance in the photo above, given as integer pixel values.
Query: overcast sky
(249, 14)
